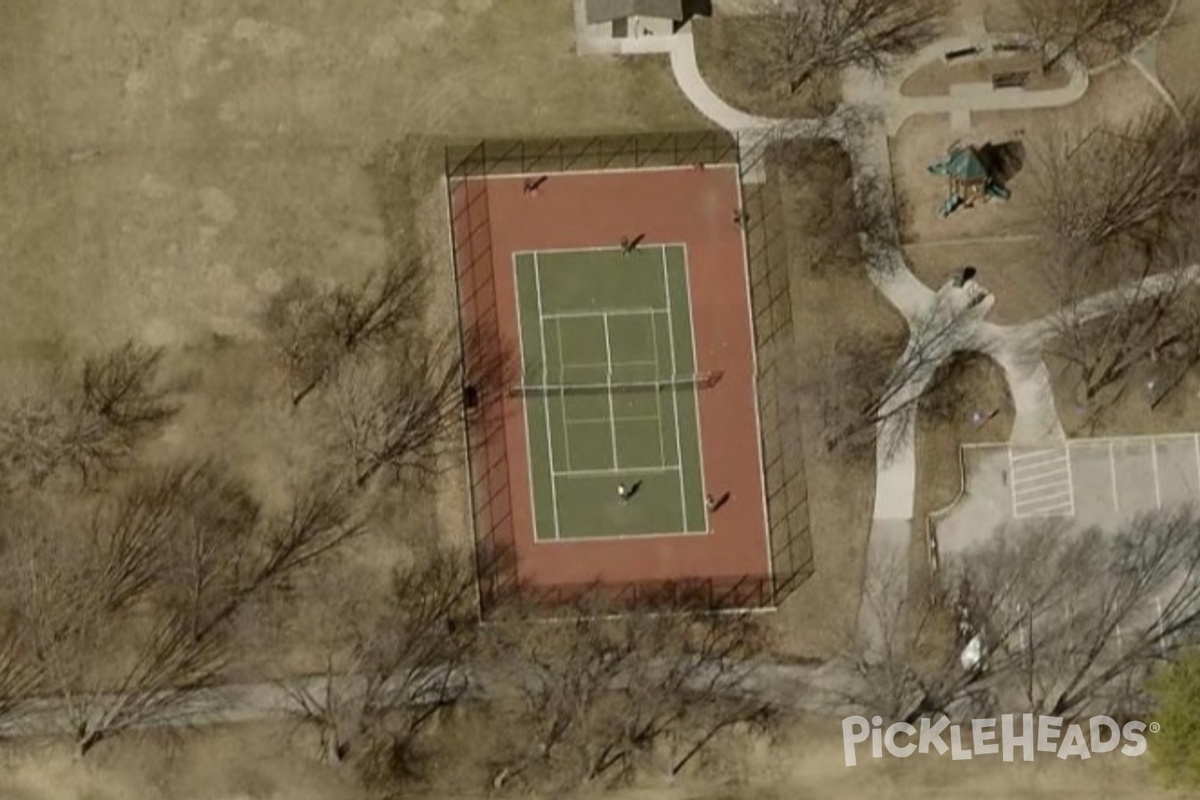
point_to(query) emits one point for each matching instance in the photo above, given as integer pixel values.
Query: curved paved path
(873, 108)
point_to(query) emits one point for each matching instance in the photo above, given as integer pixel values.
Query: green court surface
(609, 384)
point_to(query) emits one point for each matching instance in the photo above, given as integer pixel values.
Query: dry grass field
(166, 167)
(266, 762)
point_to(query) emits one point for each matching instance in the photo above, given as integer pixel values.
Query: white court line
(586, 473)
(537, 277)
(1157, 484)
(1112, 468)
(687, 292)
(613, 248)
(562, 397)
(586, 364)
(612, 414)
(617, 312)
(662, 453)
(525, 407)
(675, 395)
(598, 420)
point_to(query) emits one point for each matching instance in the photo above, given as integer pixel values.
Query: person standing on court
(623, 492)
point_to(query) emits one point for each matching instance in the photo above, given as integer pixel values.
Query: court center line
(662, 453)
(562, 396)
(537, 278)
(598, 420)
(612, 414)
(674, 393)
(624, 471)
(612, 312)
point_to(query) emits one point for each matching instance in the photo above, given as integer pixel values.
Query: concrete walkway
(874, 109)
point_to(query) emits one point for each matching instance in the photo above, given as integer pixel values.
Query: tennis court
(610, 387)
(635, 369)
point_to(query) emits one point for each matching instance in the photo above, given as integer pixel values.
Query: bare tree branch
(807, 38)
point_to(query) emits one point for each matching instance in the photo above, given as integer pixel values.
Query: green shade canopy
(963, 164)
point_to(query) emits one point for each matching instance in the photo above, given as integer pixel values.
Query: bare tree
(1128, 228)
(395, 668)
(315, 331)
(601, 697)
(807, 38)
(906, 661)
(89, 422)
(1108, 339)
(126, 608)
(402, 411)
(871, 389)
(1146, 192)
(1096, 31)
(1056, 620)
(1067, 616)
(1176, 355)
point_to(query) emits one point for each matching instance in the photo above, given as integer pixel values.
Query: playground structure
(970, 179)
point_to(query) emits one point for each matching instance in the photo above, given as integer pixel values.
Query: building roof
(607, 10)
(964, 164)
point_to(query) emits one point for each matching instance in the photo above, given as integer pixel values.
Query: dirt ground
(828, 303)
(1177, 65)
(937, 77)
(1011, 268)
(719, 38)
(923, 139)
(167, 166)
(263, 763)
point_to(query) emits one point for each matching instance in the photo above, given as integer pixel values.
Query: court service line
(612, 414)
(537, 280)
(675, 394)
(591, 473)
(598, 420)
(615, 312)
(586, 364)
(562, 397)
(687, 292)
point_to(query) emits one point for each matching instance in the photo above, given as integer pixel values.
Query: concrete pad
(1137, 487)
(1178, 469)
(1112, 479)
(1091, 470)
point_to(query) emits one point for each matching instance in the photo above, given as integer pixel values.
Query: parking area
(1097, 482)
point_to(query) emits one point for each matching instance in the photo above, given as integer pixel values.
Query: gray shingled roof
(607, 10)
